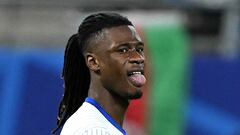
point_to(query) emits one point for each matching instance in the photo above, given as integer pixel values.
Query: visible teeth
(136, 72)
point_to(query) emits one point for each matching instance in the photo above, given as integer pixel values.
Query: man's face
(121, 60)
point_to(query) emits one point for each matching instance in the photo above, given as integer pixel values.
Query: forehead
(122, 34)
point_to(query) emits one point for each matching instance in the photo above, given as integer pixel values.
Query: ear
(92, 62)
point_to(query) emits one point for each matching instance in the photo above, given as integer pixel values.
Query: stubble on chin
(136, 95)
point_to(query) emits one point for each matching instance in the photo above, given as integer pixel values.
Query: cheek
(114, 63)
(113, 72)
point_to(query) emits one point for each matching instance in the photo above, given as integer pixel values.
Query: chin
(136, 95)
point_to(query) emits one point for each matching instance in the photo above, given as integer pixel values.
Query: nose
(136, 57)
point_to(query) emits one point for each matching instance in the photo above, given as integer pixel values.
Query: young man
(103, 70)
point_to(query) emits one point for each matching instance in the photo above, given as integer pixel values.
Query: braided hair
(76, 74)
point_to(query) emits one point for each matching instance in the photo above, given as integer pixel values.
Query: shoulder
(86, 120)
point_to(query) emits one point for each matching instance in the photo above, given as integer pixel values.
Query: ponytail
(76, 78)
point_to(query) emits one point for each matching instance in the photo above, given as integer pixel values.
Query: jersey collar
(105, 114)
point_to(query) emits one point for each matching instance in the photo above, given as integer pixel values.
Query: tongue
(137, 80)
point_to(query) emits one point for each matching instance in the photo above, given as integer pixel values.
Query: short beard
(128, 96)
(137, 95)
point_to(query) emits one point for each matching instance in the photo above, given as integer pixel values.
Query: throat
(115, 107)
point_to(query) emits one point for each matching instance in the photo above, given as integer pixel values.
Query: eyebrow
(138, 43)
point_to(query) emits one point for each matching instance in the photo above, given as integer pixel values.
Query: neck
(114, 105)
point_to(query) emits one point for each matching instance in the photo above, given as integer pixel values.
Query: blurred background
(193, 62)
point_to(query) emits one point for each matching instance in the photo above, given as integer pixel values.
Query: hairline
(95, 38)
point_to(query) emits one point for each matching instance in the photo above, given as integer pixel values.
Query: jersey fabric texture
(91, 119)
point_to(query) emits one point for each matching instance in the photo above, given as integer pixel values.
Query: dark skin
(114, 56)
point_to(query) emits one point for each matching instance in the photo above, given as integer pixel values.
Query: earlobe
(92, 62)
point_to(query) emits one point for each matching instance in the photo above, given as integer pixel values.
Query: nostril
(138, 60)
(136, 57)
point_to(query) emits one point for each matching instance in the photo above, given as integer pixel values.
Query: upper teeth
(136, 72)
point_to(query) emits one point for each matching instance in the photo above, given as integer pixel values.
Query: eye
(140, 50)
(123, 50)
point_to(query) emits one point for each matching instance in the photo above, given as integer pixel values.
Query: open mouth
(137, 78)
